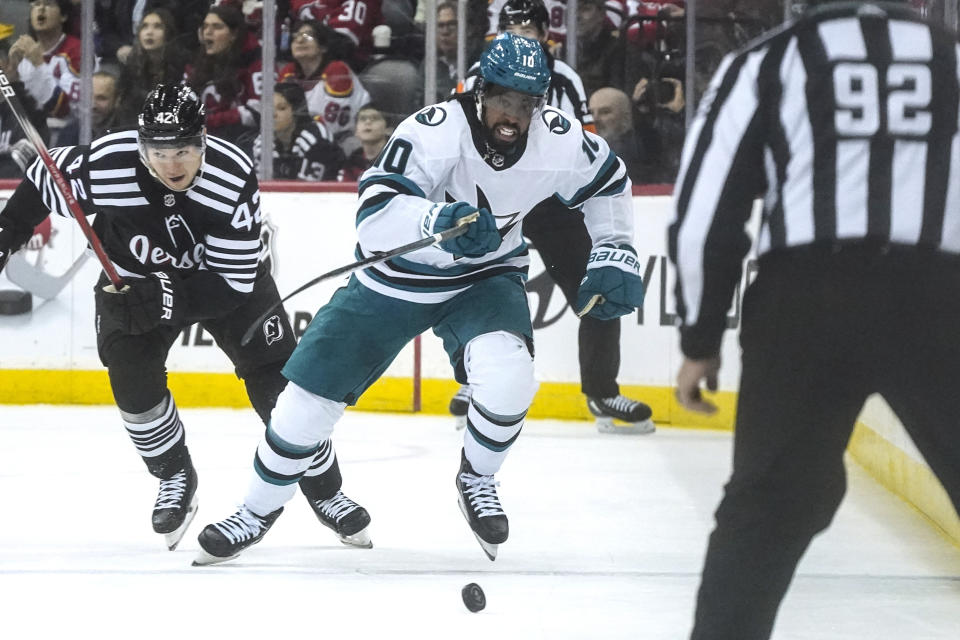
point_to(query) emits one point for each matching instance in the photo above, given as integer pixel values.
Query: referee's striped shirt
(845, 123)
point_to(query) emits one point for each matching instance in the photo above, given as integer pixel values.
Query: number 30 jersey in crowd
(440, 155)
(212, 228)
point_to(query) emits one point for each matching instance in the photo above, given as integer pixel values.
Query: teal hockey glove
(613, 286)
(481, 238)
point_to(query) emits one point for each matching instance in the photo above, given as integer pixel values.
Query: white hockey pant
(297, 436)
(500, 373)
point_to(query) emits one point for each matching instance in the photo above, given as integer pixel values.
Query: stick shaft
(34, 137)
(453, 232)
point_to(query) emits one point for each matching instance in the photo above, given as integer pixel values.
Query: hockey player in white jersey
(498, 153)
(564, 244)
(178, 214)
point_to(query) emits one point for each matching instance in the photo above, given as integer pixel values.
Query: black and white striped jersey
(144, 227)
(845, 123)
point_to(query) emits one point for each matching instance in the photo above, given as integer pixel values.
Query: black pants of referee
(822, 330)
(561, 238)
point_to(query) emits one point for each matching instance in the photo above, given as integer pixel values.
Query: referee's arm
(721, 173)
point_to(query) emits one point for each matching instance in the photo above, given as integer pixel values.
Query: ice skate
(345, 517)
(619, 407)
(225, 540)
(477, 496)
(176, 505)
(459, 404)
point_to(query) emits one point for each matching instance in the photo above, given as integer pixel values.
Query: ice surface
(607, 539)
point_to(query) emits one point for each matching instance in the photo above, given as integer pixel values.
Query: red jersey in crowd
(56, 84)
(353, 18)
(645, 33)
(240, 109)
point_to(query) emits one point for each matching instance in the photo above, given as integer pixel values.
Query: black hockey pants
(822, 330)
(561, 238)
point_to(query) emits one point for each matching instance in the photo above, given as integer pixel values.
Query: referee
(845, 123)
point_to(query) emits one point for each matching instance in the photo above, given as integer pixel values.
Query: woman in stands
(155, 59)
(302, 148)
(228, 75)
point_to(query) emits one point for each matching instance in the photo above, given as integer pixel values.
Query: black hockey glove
(143, 304)
(481, 237)
(613, 286)
(12, 237)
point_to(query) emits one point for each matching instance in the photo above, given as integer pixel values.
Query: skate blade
(489, 549)
(607, 425)
(174, 537)
(203, 558)
(360, 539)
(460, 422)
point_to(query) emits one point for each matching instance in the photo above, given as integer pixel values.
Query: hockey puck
(14, 303)
(473, 597)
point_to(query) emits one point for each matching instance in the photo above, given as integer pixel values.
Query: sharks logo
(555, 122)
(513, 219)
(272, 330)
(432, 116)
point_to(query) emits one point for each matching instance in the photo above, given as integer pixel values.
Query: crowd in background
(349, 70)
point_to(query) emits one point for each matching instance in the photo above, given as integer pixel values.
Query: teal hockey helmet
(514, 62)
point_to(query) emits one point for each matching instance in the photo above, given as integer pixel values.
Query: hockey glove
(613, 286)
(143, 305)
(481, 237)
(12, 237)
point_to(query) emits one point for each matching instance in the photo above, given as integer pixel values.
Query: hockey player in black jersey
(178, 214)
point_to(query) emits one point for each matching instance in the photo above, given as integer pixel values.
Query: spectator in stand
(654, 80)
(612, 113)
(227, 75)
(599, 51)
(47, 60)
(656, 24)
(336, 99)
(16, 152)
(353, 18)
(156, 58)
(252, 11)
(446, 52)
(313, 46)
(302, 148)
(103, 111)
(373, 132)
(116, 26)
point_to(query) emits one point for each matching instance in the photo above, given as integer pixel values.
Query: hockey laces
(620, 403)
(337, 506)
(172, 490)
(482, 491)
(243, 525)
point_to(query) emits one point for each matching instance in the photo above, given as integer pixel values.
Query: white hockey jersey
(438, 155)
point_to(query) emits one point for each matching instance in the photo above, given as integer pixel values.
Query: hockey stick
(20, 114)
(32, 278)
(452, 232)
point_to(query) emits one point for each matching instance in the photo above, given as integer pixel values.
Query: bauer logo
(432, 116)
(555, 122)
(273, 330)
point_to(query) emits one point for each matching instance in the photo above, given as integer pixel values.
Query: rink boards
(49, 355)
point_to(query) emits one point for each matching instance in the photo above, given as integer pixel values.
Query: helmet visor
(514, 103)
